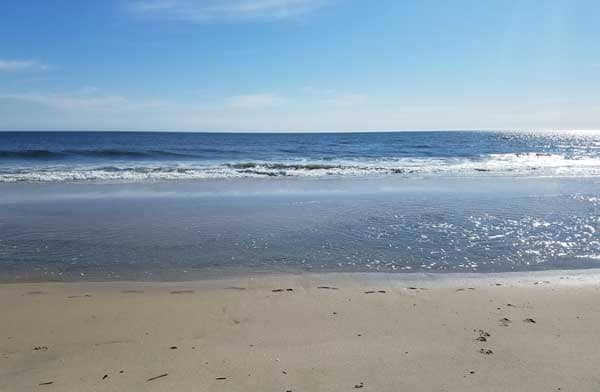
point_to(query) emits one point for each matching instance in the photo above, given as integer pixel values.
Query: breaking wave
(530, 164)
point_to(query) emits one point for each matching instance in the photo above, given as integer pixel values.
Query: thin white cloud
(347, 101)
(207, 11)
(90, 98)
(67, 101)
(333, 99)
(154, 5)
(22, 65)
(256, 101)
(90, 108)
(318, 91)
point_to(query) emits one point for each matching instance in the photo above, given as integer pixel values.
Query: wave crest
(532, 164)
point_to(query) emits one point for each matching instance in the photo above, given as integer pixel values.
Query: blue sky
(216, 65)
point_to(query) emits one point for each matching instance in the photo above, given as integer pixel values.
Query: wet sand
(331, 332)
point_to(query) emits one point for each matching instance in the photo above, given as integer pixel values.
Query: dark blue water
(186, 206)
(75, 156)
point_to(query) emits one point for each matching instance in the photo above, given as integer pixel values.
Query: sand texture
(304, 333)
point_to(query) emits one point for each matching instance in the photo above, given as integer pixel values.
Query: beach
(388, 262)
(305, 332)
(299, 196)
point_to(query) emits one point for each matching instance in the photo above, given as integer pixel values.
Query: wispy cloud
(207, 11)
(318, 91)
(67, 101)
(346, 101)
(256, 101)
(93, 99)
(91, 108)
(22, 65)
(333, 99)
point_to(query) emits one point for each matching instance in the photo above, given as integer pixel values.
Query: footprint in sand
(482, 335)
(505, 322)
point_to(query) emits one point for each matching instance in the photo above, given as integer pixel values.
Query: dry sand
(507, 332)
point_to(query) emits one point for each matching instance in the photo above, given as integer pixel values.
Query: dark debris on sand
(157, 377)
(182, 292)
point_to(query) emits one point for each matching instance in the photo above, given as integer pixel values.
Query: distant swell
(30, 154)
(102, 153)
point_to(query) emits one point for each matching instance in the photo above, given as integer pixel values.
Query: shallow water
(194, 229)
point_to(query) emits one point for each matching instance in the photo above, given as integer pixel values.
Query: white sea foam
(527, 165)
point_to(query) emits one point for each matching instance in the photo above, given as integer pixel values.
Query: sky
(299, 65)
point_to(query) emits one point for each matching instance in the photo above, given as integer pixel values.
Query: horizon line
(294, 131)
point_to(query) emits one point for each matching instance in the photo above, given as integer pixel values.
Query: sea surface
(76, 156)
(151, 206)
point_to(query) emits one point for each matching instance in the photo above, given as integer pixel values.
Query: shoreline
(306, 332)
(562, 276)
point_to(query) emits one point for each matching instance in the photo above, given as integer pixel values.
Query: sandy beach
(328, 332)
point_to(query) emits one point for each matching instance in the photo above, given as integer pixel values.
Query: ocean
(152, 206)
(112, 156)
